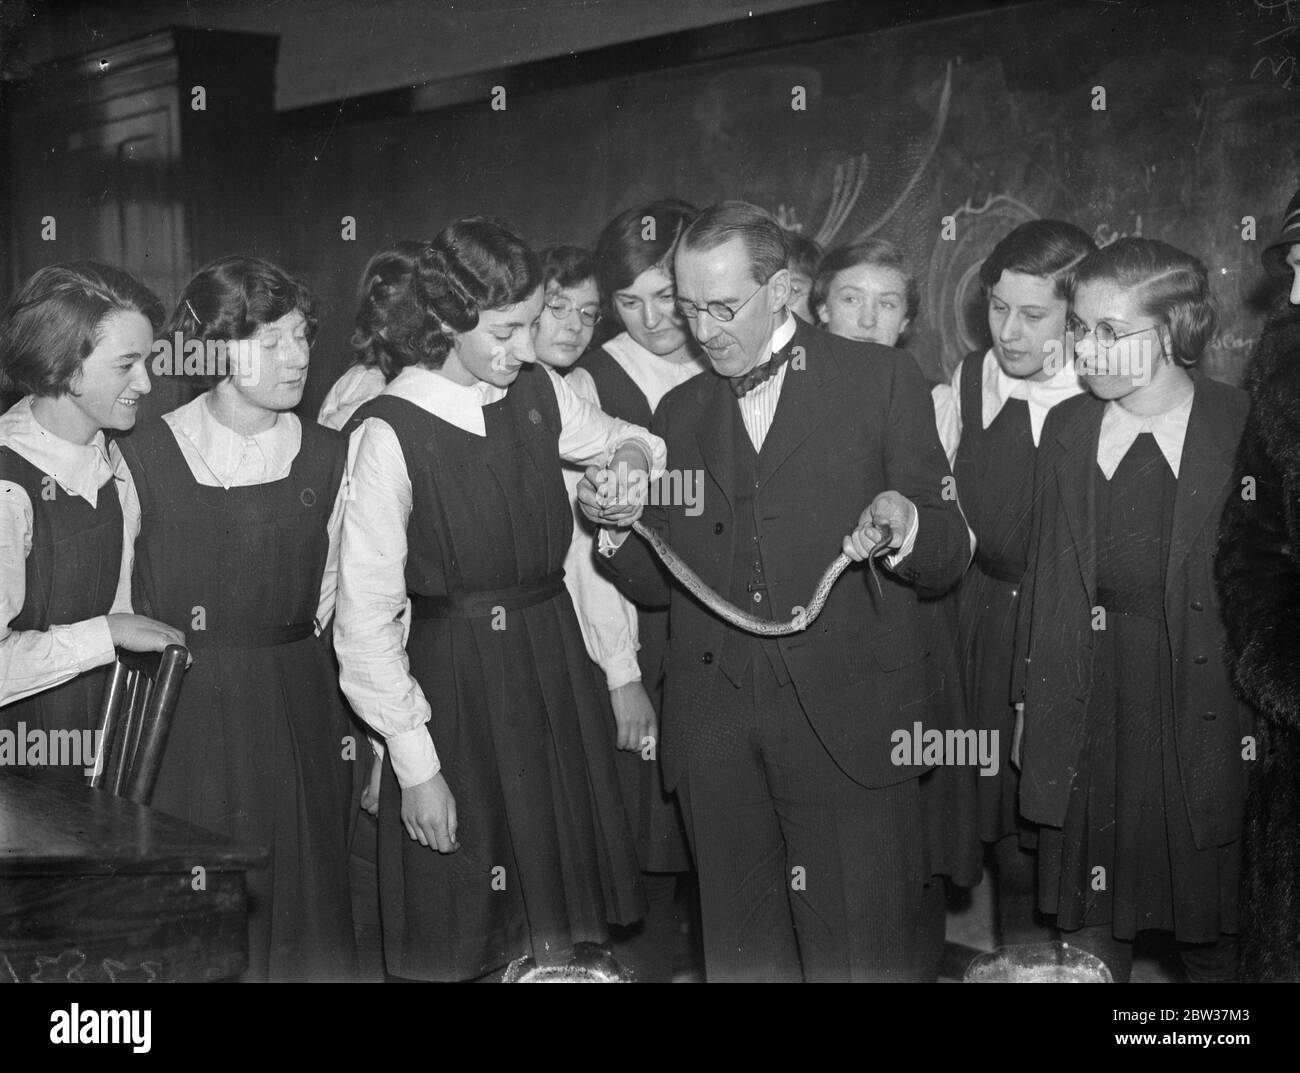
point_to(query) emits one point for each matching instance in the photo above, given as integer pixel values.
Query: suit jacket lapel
(1206, 465)
(797, 411)
(714, 431)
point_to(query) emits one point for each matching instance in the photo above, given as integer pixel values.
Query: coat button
(718, 527)
(1209, 717)
(1197, 605)
(1199, 659)
(758, 597)
(707, 657)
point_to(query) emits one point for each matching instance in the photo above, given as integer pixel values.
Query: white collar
(80, 469)
(1040, 395)
(1119, 428)
(455, 403)
(228, 454)
(782, 336)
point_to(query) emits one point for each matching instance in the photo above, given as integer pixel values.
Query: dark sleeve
(916, 466)
(1045, 506)
(1258, 575)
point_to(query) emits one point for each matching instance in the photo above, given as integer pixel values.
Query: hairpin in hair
(197, 321)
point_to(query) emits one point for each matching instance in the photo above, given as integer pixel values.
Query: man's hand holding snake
(890, 512)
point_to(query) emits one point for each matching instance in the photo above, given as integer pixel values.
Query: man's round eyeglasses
(717, 310)
(561, 308)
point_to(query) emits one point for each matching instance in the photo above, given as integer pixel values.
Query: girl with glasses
(1134, 750)
(241, 504)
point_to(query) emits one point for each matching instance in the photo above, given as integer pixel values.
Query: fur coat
(1259, 582)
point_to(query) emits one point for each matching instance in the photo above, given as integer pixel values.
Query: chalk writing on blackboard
(1278, 61)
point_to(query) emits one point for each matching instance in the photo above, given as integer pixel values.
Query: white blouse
(996, 387)
(219, 456)
(607, 619)
(1119, 428)
(359, 384)
(36, 660)
(375, 671)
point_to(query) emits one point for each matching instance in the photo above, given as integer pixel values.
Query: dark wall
(987, 118)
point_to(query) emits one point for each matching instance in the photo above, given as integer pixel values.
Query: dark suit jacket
(1054, 635)
(854, 421)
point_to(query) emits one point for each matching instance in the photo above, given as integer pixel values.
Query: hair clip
(197, 321)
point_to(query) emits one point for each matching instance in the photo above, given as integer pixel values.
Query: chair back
(134, 720)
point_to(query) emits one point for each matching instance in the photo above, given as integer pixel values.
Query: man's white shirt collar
(783, 334)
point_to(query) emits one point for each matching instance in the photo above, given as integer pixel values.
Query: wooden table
(94, 888)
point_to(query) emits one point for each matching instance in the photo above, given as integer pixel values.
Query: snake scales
(802, 617)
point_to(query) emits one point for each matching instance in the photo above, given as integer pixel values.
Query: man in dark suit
(814, 848)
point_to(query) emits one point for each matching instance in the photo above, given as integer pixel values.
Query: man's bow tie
(743, 385)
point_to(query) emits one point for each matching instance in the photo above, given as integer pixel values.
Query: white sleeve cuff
(415, 760)
(605, 545)
(909, 542)
(620, 669)
(92, 643)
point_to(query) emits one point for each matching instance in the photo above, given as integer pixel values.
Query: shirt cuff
(605, 546)
(909, 542)
(621, 669)
(415, 760)
(656, 453)
(92, 643)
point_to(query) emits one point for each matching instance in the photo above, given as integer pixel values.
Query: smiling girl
(74, 341)
(241, 506)
(501, 829)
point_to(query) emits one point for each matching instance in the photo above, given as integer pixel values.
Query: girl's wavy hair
(391, 330)
(232, 297)
(1171, 286)
(475, 264)
(56, 319)
(629, 245)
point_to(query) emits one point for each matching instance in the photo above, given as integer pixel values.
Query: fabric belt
(483, 604)
(266, 637)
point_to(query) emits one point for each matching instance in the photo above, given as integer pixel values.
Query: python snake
(802, 617)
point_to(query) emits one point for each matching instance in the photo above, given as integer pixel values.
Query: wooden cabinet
(156, 155)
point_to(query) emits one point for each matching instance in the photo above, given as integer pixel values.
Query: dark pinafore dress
(655, 816)
(72, 575)
(520, 721)
(995, 483)
(1127, 813)
(261, 745)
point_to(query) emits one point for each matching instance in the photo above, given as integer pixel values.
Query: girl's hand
(136, 633)
(634, 716)
(429, 814)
